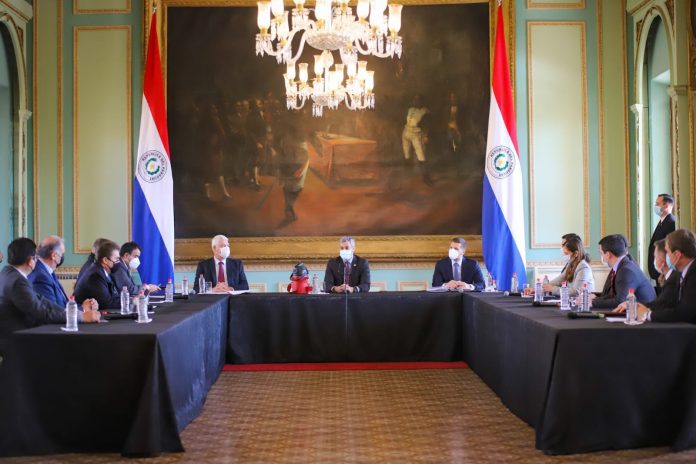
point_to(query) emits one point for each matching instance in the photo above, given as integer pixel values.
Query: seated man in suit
(678, 304)
(89, 265)
(348, 272)
(20, 306)
(98, 284)
(224, 272)
(50, 252)
(625, 275)
(121, 272)
(457, 271)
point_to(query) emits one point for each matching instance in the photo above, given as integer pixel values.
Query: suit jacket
(680, 310)
(359, 274)
(121, 276)
(235, 273)
(47, 286)
(582, 275)
(86, 268)
(661, 231)
(470, 273)
(669, 293)
(21, 308)
(100, 287)
(628, 275)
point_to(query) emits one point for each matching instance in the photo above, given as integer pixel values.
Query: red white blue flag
(153, 198)
(503, 214)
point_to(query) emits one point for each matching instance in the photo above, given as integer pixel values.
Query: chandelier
(334, 27)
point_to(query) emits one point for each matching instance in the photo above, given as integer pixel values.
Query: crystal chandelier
(334, 27)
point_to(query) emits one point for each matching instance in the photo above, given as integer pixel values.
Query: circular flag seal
(152, 166)
(500, 162)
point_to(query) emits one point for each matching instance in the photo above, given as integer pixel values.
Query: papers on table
(615, 319)
(437, 289)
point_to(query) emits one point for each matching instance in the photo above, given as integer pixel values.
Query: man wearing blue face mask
(224, 273)
(663, 209)
(121, 272)
(456, 272)
(348, 273)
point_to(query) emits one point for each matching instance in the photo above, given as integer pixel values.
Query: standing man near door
(663, 208)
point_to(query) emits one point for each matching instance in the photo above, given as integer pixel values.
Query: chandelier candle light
(334, 27)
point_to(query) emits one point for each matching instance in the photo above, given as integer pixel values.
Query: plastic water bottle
(125, 301)
(631, 304)
(494, 285)
(515, 284)
(71, 315)
(142, 308)
(315, 284)
(565, 298)
(201, 284)
(546, 281)
(184, 286)
(169, 292)
(538, 291)
(487, 282)
(584, 299)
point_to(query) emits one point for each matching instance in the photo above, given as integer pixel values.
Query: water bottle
(125, 301)
(515, 284)
(631, 304)
(201, 284)
(315, 284)
(488, 279)
(142, 308)
(584, 299)
(538, 291)
(546, 282)
(494, 285)
(169, 292)
(184, 286)
(71, 315)
(565, 298)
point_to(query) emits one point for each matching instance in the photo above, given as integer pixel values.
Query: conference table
(112, 387)
(583, 385)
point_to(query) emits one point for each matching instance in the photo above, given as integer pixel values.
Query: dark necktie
(610, 289)
(59, 287)
(346, 272)
(681, 287)
(457, 272)
(221, 273)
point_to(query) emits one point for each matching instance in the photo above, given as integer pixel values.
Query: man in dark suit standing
(225, 273)
(625, 275)
(663, 208)
(680, 304)
(347, 273)
(456, 271)
(20, 306)
(129, 262)
(43, 278)
(99, 284)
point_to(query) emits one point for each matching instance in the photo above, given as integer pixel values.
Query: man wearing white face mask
(121, 272)
(348, 273)
(456, 271)
(663, 209)
(225, 273)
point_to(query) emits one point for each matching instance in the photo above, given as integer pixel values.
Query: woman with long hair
(576, 272)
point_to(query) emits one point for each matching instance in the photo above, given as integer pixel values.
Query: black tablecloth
(115, 387)
(394, 326)
(585, 384)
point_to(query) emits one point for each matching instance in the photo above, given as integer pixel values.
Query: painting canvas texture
(246, 166)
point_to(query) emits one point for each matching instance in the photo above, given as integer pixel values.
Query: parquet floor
(398, 416)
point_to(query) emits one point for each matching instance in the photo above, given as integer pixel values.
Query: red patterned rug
(374, 366)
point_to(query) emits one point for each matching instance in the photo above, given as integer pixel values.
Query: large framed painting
(402, 178)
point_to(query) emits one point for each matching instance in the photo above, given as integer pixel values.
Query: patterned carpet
(412, 416)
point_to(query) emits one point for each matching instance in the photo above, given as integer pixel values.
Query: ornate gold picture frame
(376, 248)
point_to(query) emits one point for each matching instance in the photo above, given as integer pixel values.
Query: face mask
(60, 263)
(658, 210)
(453, 254)
(225, 252)
(346, 255)
(669, 263)
(134, 263)
(604, 261)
